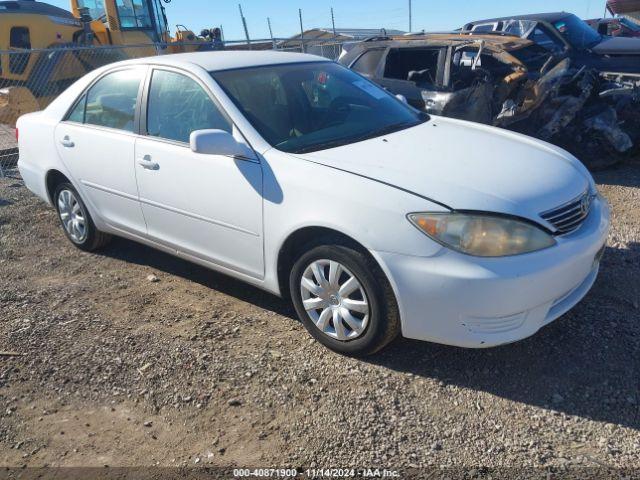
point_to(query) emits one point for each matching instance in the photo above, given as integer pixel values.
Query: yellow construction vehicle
(30, 78)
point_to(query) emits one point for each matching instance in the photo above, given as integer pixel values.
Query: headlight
(482, 235)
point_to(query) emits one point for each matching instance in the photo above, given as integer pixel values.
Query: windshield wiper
(395, 127)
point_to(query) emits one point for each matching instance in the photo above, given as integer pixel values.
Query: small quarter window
(111, 102)
(178, 105)
(77, 114)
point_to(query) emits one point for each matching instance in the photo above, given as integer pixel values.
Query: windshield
(313, 106)
(577, 32)
(630, 25)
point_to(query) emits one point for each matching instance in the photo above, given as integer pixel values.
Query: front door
(207, 206)
(96, 143)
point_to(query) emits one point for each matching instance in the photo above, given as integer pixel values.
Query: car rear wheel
(76, 222)
(344, 300)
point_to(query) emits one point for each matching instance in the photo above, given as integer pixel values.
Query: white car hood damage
(466, 166)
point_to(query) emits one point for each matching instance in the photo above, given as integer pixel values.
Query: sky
(431, 15)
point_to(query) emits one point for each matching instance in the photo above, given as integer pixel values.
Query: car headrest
(117, 102)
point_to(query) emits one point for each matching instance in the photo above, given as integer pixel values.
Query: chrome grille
(568, 217)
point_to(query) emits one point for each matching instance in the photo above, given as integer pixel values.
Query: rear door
(96, 142)
(204, 206)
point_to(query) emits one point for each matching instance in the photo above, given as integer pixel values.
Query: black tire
(384, 320)
(93, 239)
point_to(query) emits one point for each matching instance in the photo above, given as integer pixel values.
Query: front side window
(313, 106)
(133, 13)
(545, 40)
(178, 105)
(111, 102)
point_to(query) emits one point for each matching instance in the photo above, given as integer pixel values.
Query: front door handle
(148, 164)
(66, 142)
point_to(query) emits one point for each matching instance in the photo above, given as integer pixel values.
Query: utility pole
(410, 20)
(333, 24)
(221, 33)
(273, 42)
(301, 30)
(244, 24)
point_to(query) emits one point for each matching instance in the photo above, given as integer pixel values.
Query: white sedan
(303, 178)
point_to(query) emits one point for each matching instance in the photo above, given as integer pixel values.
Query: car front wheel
(76, 222)
(344, 300)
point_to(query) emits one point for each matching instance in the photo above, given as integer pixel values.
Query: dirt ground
(199, 369)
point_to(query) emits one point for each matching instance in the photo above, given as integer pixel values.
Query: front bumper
(473, 302)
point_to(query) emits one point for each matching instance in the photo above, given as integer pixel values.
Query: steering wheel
(338, 110)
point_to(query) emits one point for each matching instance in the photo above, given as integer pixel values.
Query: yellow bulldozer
(43, 48)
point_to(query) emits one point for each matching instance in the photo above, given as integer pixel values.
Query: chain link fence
(31, 79)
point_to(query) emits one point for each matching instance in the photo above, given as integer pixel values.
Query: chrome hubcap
(334, 300)
(72, 216)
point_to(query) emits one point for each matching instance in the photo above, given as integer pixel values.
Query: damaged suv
(510, 82)
(565, 34)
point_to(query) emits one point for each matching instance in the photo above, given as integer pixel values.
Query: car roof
(227, 60)
(541, 17)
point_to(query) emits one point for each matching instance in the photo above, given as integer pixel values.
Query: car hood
(466, 166)
(618, 46)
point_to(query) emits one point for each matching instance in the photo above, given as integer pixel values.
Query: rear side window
(111, 102)
(178, 105)
(485, 27)
(414, 64)
(368, 62)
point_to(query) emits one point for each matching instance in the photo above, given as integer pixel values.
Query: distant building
(318, 41)
(325, 35)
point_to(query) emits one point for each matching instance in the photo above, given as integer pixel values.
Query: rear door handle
(148, 164)
(66, 142)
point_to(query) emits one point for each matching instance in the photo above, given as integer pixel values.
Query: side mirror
(218, 142)
(402, 98)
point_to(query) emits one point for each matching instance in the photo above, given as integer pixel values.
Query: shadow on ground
(626, 174)
(138, 254)
(587, 363)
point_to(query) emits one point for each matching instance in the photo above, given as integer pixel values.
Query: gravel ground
(132, 357)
